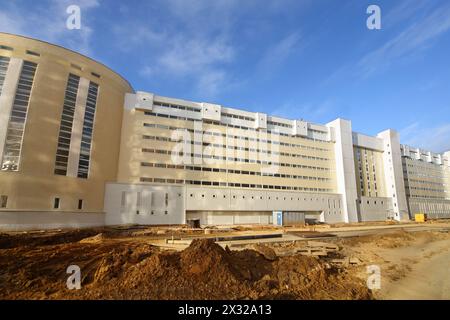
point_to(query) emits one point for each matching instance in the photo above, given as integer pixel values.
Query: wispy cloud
(436, 139)
(279, 52)
(196, 41)
(417, 37)
(403, 11)
(197, 47)
(425, 24)
(48, 22)
(311, 112)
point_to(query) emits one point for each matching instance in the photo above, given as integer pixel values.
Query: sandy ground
(413, 265)
(125, 264)
(429, 277)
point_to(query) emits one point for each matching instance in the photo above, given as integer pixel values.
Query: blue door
(280, 218)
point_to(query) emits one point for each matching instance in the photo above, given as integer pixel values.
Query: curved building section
(60, 127)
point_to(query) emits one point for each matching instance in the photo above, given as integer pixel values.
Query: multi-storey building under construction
(79, 147)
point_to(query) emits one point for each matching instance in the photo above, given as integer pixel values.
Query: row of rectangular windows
(196, 155)
(425, 174)
(66, 126)
(212, 133)
(217, 145)
(37, 54)
(243, 172)
(226, 115)
(4, 63)
(369, 201)
(428, 182)
(420, 163)
(235, 116)
(280, 124)
(253, 197)
(230, 184)
(366, 174)
(56, 202)
(31, 53)
(427, 189)
(162, 115)
(428, 197)
(65, 131)
(176, 106)
(86, 138)
(16, 124)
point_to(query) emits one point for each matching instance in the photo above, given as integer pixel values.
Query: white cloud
(404, 10)
(195, 40)
(9, 23)
(416, 38)
(212, 82)
(48, 22)
(309, 112)
(436, 139)
(278, 53)
(196, 47)
(197, 55)
(412, 40)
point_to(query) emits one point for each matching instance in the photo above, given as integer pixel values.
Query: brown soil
(32, 267)
(388, 240)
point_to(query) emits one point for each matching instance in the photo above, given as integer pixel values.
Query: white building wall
(236, 199)
(364, 141)
(375, 208)
(393, 171)
(143, 204)
(435, 209)
(345, 167)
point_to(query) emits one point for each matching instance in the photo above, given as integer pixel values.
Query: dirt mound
(205, 270)
(135, 270)
(265, 251)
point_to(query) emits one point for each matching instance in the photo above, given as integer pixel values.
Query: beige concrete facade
(148, 142)
(369, 172)
(78, 148)
(427, 182)
(33, 185)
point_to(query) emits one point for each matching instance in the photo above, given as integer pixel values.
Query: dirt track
(116, 266)
(413, 265)
(429, 277)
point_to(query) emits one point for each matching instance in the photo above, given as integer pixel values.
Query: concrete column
(77, 128)
(393, 172)
(7, 98)
(345, 167)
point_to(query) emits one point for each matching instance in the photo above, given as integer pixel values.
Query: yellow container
(420, 217)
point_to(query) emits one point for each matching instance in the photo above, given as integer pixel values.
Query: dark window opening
(56, 203)
(3, 201)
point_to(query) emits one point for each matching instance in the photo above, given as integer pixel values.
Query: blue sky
(310, 59)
